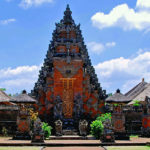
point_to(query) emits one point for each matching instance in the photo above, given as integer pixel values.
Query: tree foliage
(47, 129)
(2, 89)
(104, 117)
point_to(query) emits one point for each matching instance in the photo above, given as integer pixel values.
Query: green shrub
(4, 131)
(136, 103)
(116, 105)
(104, 117)
(47, 129)
(97, 128)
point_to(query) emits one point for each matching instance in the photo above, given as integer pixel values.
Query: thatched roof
(142, 95)
(135, 91)
(4, 97)
(23, 98)
(118, 97)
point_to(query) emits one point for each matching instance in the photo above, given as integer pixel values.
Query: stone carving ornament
(78, 108)
(83, 126)
(58, 108)
(58, 127)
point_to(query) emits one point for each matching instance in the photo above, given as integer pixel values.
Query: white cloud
(143, 4)
(7, 21)
(140, 51)
(19, 78)
(9, 72)
(110, 44)
(29, 3)
(124, 17)
(99, 47)
(125, 71)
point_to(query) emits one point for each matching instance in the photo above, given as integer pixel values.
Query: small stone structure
(38, 134)
(23, 124)
(24, 102)
(58, 127)
(83, 127)
(146, 119)
(118, 121)
(108, 133)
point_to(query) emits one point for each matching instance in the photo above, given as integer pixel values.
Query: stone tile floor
(9, 140)
(133, 140)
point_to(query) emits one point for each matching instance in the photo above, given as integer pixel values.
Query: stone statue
(108, 133)
(58, 108)
(83, 126)
(58, 127)
(38, 134)
(78, 108)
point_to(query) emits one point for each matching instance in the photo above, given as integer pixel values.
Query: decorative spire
(67, 16)
(24, 92)
(117, 91)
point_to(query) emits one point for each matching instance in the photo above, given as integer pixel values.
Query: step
(72, 137)
(70, 132)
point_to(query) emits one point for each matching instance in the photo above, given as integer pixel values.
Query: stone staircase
(70, 132)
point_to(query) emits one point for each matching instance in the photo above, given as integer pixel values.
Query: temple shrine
(67, 88)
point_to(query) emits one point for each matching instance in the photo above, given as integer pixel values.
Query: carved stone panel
(68, 102)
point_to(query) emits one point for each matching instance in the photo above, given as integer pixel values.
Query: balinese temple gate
(67, 88)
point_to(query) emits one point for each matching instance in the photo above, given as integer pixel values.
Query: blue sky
(116, 32)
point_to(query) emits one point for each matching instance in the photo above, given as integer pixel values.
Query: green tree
(104, 117)
(2, 89)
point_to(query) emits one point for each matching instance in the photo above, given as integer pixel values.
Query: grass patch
(128, 147)
(5, 137)
(134, 136)
(20, 148)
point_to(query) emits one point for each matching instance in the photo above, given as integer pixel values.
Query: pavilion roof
(118, 97)
(23, 98)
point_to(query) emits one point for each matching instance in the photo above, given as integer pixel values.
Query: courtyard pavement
(132, 140)
(9, 140)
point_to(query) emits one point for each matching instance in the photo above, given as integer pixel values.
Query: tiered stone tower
(67, 87)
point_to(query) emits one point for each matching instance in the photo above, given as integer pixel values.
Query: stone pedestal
(118, 121)
(38, 134)
(23, 125)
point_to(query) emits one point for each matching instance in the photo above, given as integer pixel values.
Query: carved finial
(117, 91)
(24, 92)
(67, 8)
(67, 15)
